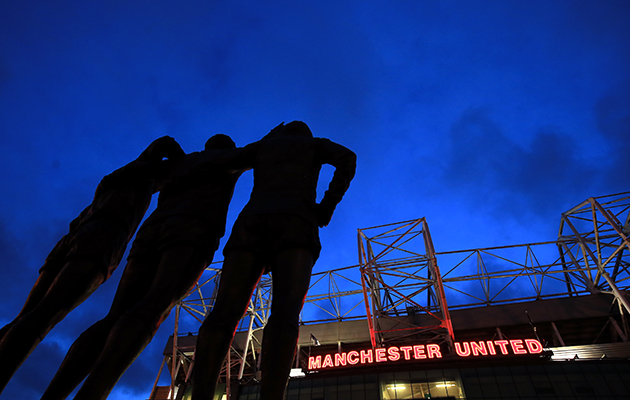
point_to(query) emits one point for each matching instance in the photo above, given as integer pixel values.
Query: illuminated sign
(505, 347)
(422, 352)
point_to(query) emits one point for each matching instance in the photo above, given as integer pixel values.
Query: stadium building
(545, 320)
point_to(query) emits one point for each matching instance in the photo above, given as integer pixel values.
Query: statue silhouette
(87, 256)
(277, 232)
(171, 250)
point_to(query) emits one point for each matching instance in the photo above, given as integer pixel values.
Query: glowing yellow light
(397, 387)
(444, 385)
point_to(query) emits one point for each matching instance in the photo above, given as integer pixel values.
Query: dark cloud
(480, 152)
(493, 171)
(612, 114)
(550, 169)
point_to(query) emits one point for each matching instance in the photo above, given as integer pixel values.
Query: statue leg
(79, 361)
(178, 270)
(36, 294)
(53, 265)
(239, 277)
(291, 278)
(87, 349)
(75, 283)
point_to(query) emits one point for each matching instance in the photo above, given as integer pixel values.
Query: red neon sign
(422, 352)
(490, 347)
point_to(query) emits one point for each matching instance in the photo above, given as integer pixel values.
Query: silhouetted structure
(276, 232)
(85, 257)
(171, 250)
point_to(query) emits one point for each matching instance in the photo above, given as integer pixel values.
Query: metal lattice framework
(398, 276)
(590, 256)
(593, 238)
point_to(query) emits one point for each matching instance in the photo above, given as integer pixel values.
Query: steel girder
(398, 269)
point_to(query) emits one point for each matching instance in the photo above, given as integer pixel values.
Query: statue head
(275, 132)
(220, 142)
(297, 128)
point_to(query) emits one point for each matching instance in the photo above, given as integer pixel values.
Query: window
(421, 385)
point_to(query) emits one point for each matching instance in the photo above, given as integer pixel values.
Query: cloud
(501, 176)
(549, 173)
(612, 115)
(480, 152)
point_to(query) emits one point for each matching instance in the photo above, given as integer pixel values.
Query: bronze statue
(87, 256)
(171, 250)
(276, 232)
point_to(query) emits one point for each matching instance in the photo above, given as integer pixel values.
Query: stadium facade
(544, 320)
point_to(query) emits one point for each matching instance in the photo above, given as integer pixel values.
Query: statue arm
(242, 159)
(164, 147)
(345, 161)
(149, 165)
(236, 160)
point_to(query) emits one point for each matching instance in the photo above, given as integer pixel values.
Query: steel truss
(398, 269)
(593, 238)
(398, 280)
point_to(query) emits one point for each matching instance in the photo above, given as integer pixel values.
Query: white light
(397, 387)
(297, 373)
(444, 385)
